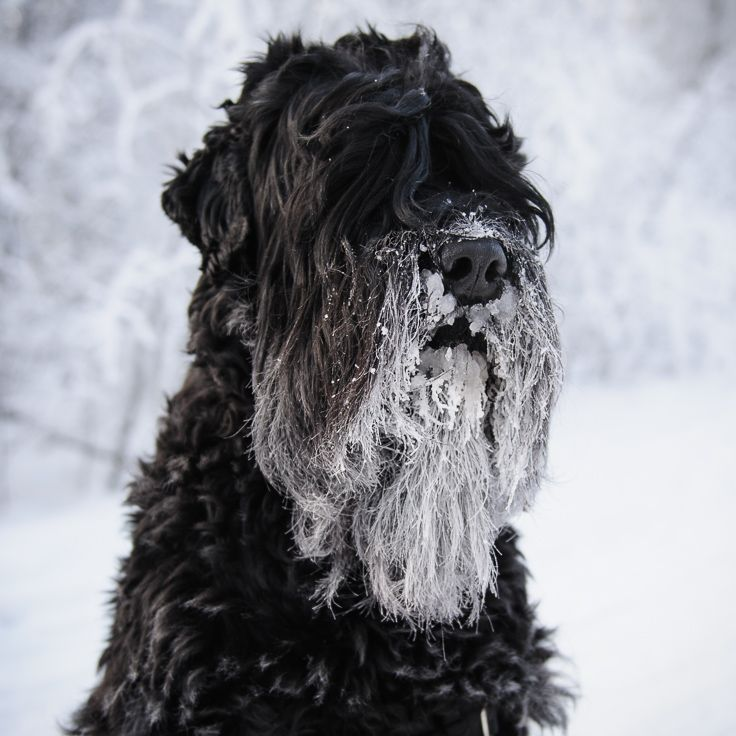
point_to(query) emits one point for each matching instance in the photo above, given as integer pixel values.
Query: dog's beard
(447, 443)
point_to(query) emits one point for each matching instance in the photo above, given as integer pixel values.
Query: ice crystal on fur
(443, 448)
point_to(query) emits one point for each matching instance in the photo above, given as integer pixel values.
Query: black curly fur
(215, 628)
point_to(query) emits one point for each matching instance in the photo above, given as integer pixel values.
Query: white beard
(447, 446)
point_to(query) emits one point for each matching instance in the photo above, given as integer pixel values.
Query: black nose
(474, 269)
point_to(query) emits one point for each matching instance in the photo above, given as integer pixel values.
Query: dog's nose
(474, 269)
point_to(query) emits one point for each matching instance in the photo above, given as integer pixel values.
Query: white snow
(632, 549)
(439, 305)
(57, 572)
(631, 546)
(451, 379)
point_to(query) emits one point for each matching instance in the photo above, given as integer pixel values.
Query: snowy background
(629, 108)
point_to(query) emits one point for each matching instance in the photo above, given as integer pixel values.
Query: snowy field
(631, 546)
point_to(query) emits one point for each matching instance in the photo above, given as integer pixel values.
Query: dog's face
(373, 215)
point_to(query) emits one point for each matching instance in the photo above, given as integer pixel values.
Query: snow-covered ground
(631, 546)
(633, 552)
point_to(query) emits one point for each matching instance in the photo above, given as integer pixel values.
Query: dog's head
(373, 214)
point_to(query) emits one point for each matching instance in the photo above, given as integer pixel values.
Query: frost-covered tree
(629, 108)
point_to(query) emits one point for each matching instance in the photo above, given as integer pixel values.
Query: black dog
(320, 544)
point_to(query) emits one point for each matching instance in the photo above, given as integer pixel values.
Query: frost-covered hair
(446, 445)
(320, 208)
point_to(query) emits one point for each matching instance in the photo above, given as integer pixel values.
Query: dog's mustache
(443, 443)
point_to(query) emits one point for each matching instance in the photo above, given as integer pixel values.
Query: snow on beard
(448, 443)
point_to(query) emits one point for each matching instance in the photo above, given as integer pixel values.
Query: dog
(321, 543)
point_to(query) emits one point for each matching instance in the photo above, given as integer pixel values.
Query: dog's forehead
(353, 70)
(351, 143)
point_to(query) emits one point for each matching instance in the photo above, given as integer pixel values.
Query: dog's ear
(207, 197)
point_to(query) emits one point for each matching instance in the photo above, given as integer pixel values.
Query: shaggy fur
(320, 545)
